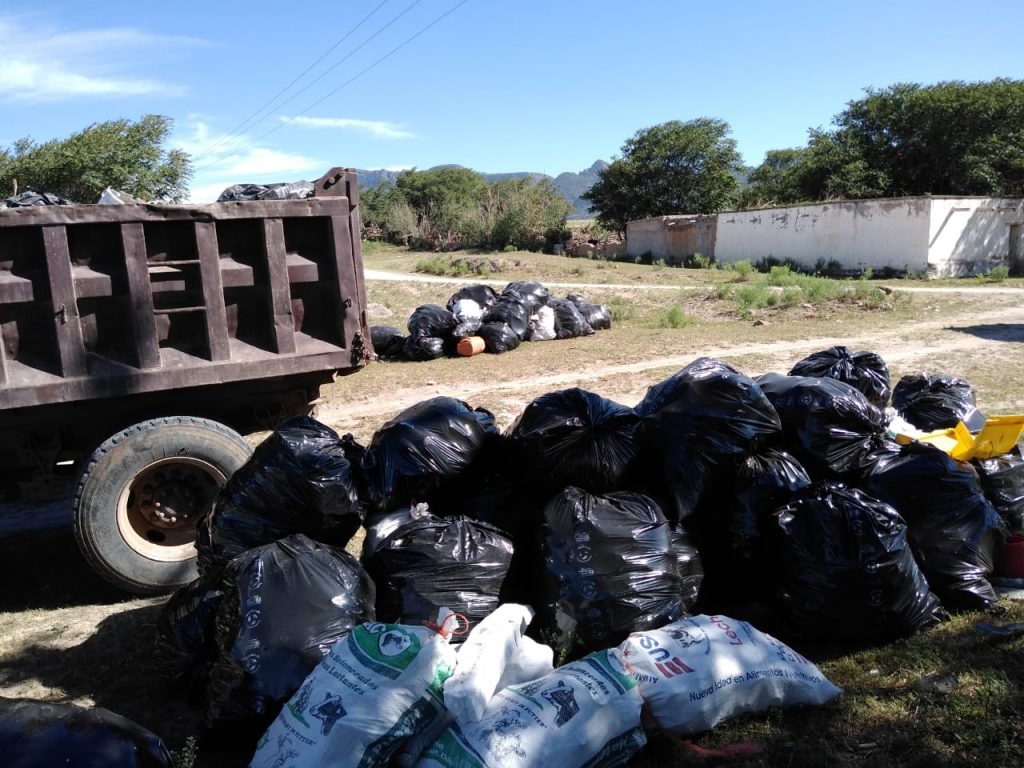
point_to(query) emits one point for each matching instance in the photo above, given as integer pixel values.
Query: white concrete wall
(971, 235)
(864, 233)
(647, 235)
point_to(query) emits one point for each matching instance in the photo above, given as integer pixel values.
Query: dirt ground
(65, 635)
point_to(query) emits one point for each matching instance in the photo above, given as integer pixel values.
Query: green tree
(524, 213)
(952, 138)
(444, 199)
(777, 180)
(126, 155)
(674, 167)
(452, 207)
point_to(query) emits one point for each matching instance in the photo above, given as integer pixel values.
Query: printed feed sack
(699, 671)
(585, 713)
(379, 685)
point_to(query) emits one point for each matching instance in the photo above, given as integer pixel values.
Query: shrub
(622, 310)
(699, 261)
(675, 318)
(741, 270)
(998, 274)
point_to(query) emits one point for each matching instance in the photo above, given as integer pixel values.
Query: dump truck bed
(110, 301)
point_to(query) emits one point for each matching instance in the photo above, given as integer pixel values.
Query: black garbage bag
(388, 341)
(31, 197)
(765, 481)
(498, 337)
(598, 315)
(186, 643)
(493, 492)
(423, 448)
(467, 328)
(48, 734)
(297, 190)
(1002, 480)
(828, 425)
(285, 604)
(936, 402)
(689, 564)
(575, 437)
(432, 562)
(954, 530)
(431, 321)
(533, 295)
(569, 323)
(422, 349)
(864, 371)
(483, 295)
(698, 422)
(512, 313)
(848, 570)
(611, 569)
(298, 480)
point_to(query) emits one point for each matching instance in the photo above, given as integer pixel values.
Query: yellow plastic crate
(999, 435)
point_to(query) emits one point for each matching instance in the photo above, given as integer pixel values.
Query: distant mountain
(571, 185)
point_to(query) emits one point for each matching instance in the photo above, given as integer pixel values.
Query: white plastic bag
(542, 324)
(530, 661)
(377, 687)
(700, 671)
(467, 310)
(482, 659)
(111, 196)
(585, 713)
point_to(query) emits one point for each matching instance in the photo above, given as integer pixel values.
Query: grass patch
(741, 271)
(623, 310)
(783, 288)
(443, 266)
(674, 317)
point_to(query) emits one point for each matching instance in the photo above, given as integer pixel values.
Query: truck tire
(141, 494)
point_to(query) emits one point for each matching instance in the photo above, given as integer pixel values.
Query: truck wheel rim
(158, 509)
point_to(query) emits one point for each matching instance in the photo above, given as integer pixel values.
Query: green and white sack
(699, 671)
(585, 713)
(378, 686)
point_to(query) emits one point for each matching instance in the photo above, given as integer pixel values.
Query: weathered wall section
(973, 234)
(672, 238)
(933, 236)
(875, 234)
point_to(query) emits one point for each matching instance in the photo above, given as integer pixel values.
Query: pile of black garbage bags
(523, 311)
(783, 500)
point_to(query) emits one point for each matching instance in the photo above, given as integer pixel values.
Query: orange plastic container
(469, 346)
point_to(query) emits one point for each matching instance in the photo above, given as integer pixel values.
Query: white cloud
(220, 160)
(397, 168)
(378, 128)
(47, 65)
(259, 160)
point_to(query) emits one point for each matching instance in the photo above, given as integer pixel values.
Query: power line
(352, 79)
(313, 82)
(270, 102)
(348, 56)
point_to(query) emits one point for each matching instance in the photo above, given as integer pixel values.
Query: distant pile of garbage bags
(628, 584)
(479, 319)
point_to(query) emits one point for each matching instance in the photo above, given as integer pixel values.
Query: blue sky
(497, 86)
